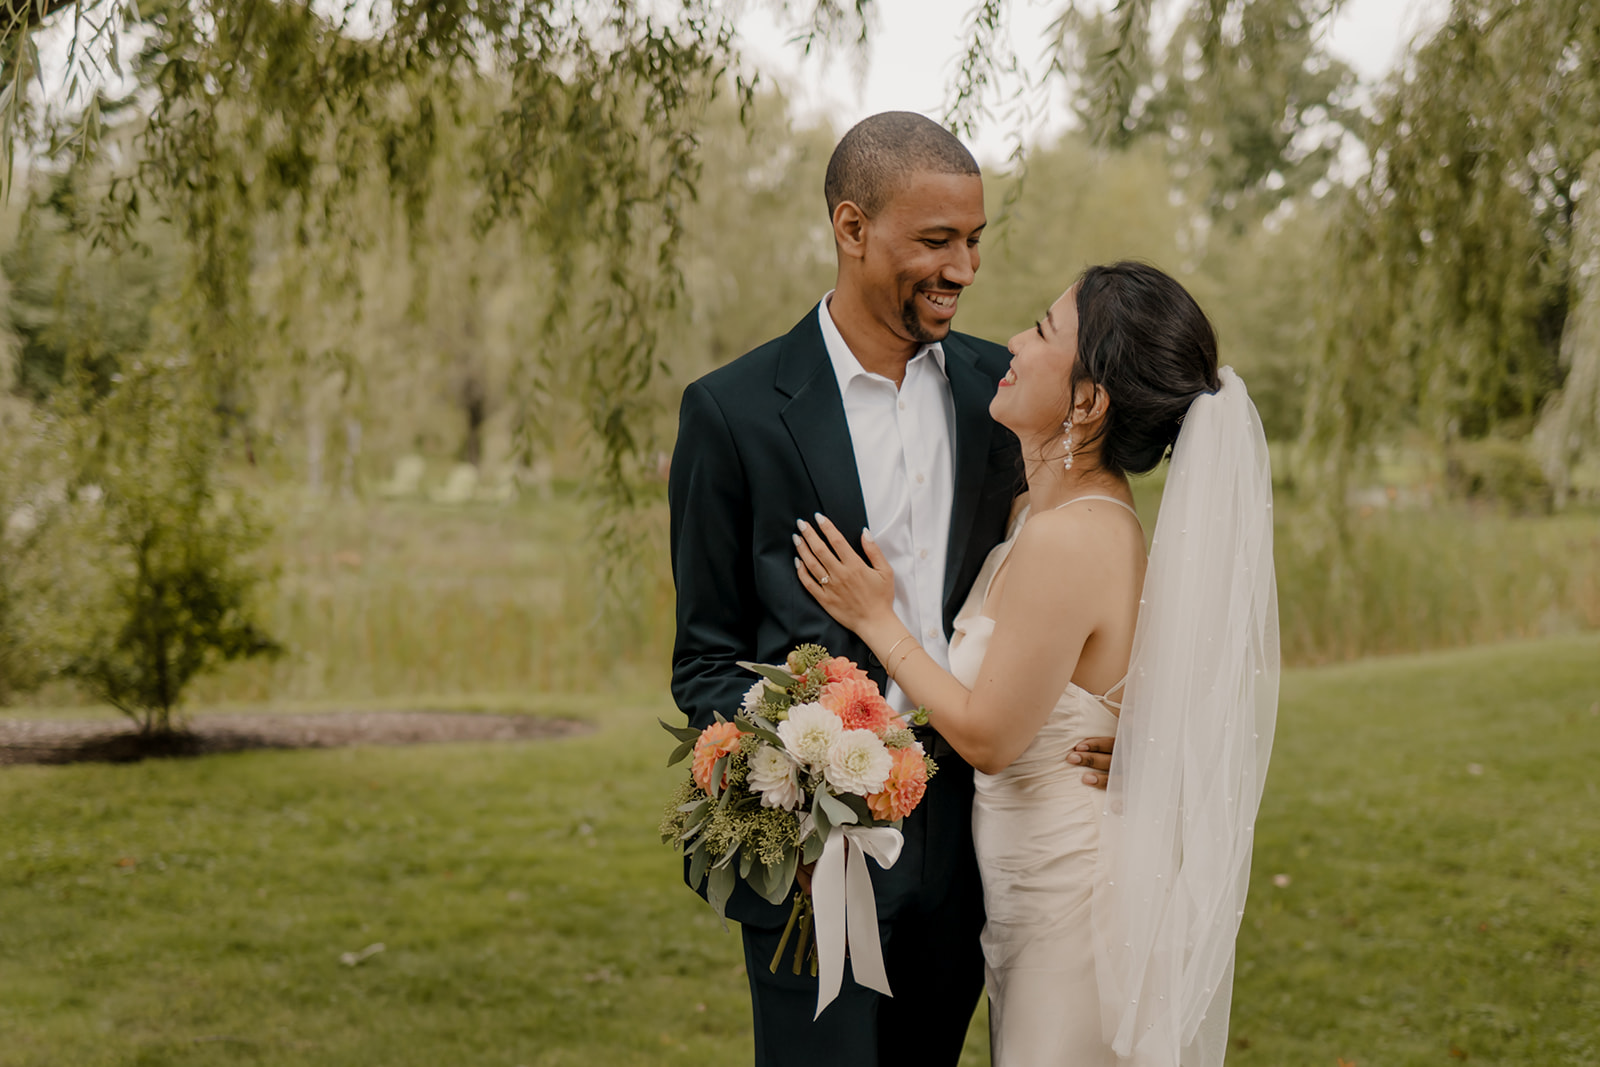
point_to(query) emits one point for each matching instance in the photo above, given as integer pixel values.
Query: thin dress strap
(1108, 499)
(1105, 698)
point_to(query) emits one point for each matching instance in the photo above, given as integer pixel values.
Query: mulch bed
(109, 741)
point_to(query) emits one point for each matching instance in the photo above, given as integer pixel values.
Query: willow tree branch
(20, 16)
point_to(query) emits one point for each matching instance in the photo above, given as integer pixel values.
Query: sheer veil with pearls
(1192, 746)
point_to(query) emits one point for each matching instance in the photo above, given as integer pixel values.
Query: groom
(874, 413)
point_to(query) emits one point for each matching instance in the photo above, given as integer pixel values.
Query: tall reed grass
(408, 600)
(380, 601)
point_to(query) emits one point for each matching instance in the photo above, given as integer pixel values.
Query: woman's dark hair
(1144, 340)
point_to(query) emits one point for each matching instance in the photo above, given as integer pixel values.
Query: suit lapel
(971, 390)
(815, 419)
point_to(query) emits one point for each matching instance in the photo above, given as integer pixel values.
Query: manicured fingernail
(796, 540)
(804, 525)
(866, 534)
(1073, 757)
(820, 517)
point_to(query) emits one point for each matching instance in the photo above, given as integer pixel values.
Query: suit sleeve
(717, 611)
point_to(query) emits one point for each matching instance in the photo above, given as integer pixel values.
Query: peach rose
(858, 704)
(908, 780)
(717, 740)
(839, 669)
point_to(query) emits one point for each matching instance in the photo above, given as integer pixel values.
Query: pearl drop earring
(1067, 427)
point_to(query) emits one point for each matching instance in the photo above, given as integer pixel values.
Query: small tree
(169, 587)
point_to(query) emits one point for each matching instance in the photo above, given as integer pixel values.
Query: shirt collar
(845, 365)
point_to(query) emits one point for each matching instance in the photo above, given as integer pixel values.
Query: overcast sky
(916, 44)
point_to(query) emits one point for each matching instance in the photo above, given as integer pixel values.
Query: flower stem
(794, 914)
(804, 941)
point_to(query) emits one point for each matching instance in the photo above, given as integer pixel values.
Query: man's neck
(878, 349)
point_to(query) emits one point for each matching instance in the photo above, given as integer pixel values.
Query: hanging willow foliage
(1452, 267)
(246, 111)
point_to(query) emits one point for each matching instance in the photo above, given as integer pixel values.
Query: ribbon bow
(841, 893)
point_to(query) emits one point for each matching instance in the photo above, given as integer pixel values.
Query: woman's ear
(1089, 404)
(1100, 403)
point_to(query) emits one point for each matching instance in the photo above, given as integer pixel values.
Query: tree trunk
(1570, 425)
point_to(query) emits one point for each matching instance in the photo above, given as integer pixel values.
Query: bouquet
(815, 768)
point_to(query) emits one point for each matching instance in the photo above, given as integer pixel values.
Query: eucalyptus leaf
(811, 848)
(819, 815)
(680, 752)
(858, 805)
(719, 889)
(698, 866)
(839, 813)
(776, 675)
(682, 733)
(765, 733)
(782, 880)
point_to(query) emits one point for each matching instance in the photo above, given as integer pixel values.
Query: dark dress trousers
(763, 442)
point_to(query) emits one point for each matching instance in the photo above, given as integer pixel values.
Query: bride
(1111, 917)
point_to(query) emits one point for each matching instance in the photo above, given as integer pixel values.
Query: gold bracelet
(890, 655)
(908, 654)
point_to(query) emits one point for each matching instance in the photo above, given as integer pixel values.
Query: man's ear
(850, 230)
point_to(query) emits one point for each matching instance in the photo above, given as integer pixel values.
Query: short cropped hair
(879, 152)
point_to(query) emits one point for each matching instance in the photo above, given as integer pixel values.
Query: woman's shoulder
(1070, 537)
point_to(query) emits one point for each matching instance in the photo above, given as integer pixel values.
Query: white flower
(858, 762)
(752, 699)
(775, 776)
(808, 733)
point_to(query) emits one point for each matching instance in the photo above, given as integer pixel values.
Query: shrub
(1499, 471)
(161, 566)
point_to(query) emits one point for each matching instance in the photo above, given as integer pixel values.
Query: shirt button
(931, 631)
(923, 553)
(920, 479)
(902, 405)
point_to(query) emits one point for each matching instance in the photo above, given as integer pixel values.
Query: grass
(194, 912)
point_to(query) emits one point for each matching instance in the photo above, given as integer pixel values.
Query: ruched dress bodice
(1036, 828)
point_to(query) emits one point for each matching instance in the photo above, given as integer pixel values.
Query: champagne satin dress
(1036, 826)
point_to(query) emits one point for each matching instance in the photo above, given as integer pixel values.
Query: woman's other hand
(856, 592)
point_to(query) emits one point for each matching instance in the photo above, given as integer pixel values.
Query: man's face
(921, 251)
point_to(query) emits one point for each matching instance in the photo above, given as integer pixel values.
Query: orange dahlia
(908, 780)
(839, 669)
(717, 740)
(858, 704)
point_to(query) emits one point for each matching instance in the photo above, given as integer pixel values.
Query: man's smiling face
(921, 252)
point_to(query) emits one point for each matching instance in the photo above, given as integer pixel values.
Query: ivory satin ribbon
(842, 897)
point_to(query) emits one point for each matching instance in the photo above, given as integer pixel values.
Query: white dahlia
(776, 777)
(752, 699)
(858, 762)
(808, 733)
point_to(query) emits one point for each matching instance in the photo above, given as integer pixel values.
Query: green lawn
(194, 912)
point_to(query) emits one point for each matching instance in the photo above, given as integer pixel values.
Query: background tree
(1454, 252)
(1246, 98)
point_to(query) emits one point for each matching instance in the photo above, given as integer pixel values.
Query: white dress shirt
(905, 456)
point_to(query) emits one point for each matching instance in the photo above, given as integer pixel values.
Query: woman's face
(1032, 398)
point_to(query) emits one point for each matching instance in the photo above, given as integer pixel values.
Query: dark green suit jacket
(763, 442)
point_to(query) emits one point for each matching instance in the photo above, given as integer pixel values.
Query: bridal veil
(1192, 746)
